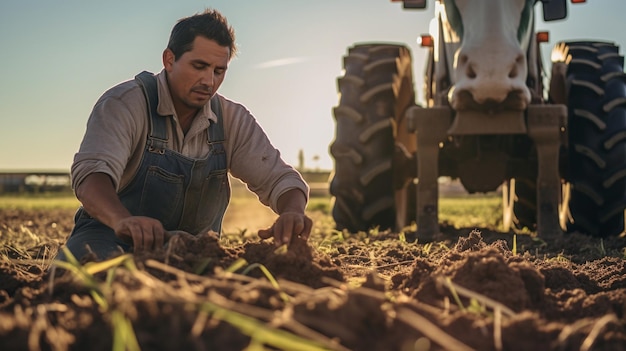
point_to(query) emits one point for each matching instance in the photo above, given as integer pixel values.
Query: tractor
(554, 147)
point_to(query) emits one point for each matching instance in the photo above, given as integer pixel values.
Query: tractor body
(558, 152)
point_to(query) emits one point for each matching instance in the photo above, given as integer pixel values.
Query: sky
(58, 56)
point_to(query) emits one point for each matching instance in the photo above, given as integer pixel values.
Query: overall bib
(183, 193)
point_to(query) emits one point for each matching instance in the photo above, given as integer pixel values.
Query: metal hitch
(432, 126)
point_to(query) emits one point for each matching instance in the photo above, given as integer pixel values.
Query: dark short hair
(210, 24)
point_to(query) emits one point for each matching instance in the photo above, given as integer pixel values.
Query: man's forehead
(201, 43)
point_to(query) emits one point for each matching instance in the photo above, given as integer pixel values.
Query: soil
(472, 288)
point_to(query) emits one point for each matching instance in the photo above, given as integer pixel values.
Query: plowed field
(472, 289)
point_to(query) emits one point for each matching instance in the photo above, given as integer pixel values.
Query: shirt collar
(166, 106)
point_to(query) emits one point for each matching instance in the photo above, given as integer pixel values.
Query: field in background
(38, 201)
(246, 213)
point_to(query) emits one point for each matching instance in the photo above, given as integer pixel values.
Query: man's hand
(100, 200)
(287, 226)
(145, 233)
(291, 222)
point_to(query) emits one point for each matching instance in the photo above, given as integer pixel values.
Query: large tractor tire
(596, 100)
(375, 91)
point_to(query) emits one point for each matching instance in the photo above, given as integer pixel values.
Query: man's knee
(99, 244)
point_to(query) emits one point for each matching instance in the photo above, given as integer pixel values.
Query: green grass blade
(515, 245)
(124, 338)
(97, 267)
(237, 265)
(260, 332)
(269, 277)
(454, 294)
(201, 265)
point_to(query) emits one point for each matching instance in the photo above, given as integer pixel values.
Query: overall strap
(157, 137)
(216, 130)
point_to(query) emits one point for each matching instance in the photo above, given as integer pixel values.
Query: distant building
(34, 181)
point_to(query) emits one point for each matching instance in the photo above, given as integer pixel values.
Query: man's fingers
(266, 233)
(159, 237)
(308, 225)
(148, 238)
(137, 235)
(286, 226)
(282, 231)
(292, 226)
(298, 226)
(144, 233)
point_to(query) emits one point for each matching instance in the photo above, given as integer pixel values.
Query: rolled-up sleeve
(254, 160)
(109, 140)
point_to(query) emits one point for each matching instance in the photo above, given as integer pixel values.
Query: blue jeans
(90, 235)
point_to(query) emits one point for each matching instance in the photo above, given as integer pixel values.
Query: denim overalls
(183, 193)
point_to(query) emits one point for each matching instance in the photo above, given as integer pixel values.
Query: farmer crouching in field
(157, 151)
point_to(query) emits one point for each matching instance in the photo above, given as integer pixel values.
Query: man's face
(197, 74)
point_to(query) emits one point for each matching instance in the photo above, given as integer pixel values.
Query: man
(147, 168)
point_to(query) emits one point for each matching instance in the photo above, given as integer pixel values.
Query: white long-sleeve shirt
(117, 129)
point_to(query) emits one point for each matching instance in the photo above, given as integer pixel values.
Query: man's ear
(168, 59)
